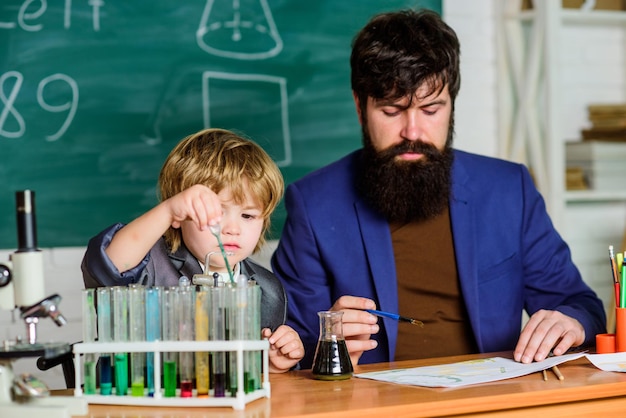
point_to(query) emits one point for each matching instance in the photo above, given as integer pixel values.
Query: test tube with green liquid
(105, 328)
(137, 332)
(237, 306)
(89, 335)
(119, 298)
(153, 330)
(187, 301)
(170, 333)
(253, 365)
(203, 298)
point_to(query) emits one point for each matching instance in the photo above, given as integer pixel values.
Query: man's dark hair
(397, 52)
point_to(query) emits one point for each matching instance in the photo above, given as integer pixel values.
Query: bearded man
(410, 225)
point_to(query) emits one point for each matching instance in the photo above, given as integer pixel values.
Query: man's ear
(357, 103)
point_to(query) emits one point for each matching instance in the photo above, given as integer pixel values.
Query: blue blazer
(509, 256)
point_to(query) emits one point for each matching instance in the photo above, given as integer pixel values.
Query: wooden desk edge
(297, 394)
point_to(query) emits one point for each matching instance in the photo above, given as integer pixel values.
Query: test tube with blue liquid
(137, 332)
(187, 301)
(89, 335)
(170, 333)
(153, 330)
(119, 297)
(104, 335)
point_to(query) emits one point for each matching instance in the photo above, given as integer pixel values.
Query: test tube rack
(238, 401)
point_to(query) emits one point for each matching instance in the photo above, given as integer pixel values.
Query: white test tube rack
(238, 401)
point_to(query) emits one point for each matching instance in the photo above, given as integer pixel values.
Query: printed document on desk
(464, 373)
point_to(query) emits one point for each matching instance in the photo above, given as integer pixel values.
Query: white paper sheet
(467, 372)
(614, 362)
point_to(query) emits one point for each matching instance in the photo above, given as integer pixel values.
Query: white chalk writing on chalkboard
(274, 86)
(27, 13)
(9, 115)
(234, 30)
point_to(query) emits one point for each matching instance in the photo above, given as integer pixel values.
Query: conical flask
(331, 361)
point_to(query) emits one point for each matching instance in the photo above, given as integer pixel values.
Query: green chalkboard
(94, 94)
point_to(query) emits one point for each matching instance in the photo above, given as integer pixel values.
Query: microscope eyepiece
(26, 221)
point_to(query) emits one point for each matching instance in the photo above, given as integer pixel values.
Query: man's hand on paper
(548, 331)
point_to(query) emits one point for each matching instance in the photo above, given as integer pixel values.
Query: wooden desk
(586, 391)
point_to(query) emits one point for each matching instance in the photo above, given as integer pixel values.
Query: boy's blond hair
(218, 159)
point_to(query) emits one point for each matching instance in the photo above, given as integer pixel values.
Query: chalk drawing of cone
(239, 29)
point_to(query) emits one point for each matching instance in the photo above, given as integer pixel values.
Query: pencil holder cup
(620, 329)
(605, 343)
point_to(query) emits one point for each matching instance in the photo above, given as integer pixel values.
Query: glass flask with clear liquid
(331, 361)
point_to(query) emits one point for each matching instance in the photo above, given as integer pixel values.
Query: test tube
(89, 335)
(217, 332)
(186, 333)
(104, 335)
(237, 307)
(137, 332)
(119, 297)
(253, 365)
(170, 333)
(153, 330)
(203, 297)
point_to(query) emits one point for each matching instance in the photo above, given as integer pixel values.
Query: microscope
(22, 289)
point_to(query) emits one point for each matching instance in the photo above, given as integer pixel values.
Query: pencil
(616, 283)
(558, 373)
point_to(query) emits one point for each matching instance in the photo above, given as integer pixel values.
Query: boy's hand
(286, 348)
(198, 204)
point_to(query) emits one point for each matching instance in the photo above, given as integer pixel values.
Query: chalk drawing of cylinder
(255, 104)
(239, 29)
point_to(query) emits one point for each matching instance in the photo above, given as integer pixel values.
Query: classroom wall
(476, 129)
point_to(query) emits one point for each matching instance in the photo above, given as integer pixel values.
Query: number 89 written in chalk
(12, 124)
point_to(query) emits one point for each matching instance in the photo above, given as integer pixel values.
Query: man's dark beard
(405, 191)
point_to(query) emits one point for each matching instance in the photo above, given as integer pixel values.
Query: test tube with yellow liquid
(203, 298)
